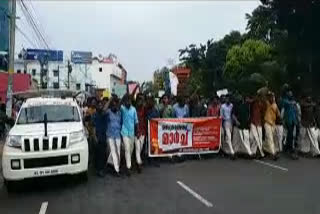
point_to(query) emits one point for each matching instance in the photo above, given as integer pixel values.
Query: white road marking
(43, 208)
(272, 165)
(194, 194)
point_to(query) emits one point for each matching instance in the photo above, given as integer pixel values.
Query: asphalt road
(214, 185)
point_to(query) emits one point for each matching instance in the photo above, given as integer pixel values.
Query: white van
(48, 139)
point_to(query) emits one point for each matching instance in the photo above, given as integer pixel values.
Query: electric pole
(43, 60)
(69, 72)
(12, 26)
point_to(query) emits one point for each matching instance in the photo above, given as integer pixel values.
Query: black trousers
(101, 154)
(291, 141)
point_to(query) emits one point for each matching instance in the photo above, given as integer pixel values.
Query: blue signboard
(81, 57)
(4, 25)
(49, 55)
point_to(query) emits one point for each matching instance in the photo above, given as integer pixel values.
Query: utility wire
(25, 36)
(37, 38)
(33, 24)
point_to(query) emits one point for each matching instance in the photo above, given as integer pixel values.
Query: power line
(39, 21)
(25, 36)
(28, 22)
(33, 24)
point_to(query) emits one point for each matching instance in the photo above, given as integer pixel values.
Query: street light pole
(12, 21)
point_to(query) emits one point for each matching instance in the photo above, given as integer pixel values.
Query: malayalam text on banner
(184, 136)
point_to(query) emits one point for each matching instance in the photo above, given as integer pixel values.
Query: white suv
(48, 138)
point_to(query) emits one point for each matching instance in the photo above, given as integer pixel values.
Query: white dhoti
(226, 142)
(269, 144)
(308, 141)
(240, 141)
(114, 156)
(279, 137)
(256, 139)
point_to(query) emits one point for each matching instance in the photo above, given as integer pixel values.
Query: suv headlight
(14, 141)
(76, 137)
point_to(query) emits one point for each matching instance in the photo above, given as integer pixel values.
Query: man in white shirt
(226, 115)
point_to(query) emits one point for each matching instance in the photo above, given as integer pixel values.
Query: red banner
(184, 136)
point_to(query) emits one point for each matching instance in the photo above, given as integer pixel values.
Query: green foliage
(243, 60)
(207, 62)
(281, 46)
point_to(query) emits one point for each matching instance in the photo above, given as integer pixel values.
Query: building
(21, 82)
(183, 75)
(106, 74)
(100, 73)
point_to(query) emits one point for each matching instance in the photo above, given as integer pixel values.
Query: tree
(207, 62)
(244, 60)
(290, 26)
(159, 79)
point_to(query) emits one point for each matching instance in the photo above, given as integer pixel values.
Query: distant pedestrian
(129, 129)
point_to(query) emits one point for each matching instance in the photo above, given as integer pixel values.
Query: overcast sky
(144, 35)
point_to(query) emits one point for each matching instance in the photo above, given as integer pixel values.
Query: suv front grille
(45, 162)
(36, 144)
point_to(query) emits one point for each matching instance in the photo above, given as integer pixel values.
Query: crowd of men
(256, 126)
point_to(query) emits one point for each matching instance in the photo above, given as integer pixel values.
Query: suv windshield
(55, 113)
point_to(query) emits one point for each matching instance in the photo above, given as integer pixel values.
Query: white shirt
(226, 111)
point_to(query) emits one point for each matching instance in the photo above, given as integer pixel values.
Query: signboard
(169, 137)
(81, 57)
(120, 90)
(50, 55)
(222, 92)
(4, 25)
(161, 93)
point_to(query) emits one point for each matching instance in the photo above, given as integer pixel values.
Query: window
(55, 73)
(45, 85)
(55, 113)
(45, 71)
(100, 69)
(78, 86)
(56, 85)
(19, 71)
(34, 71)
